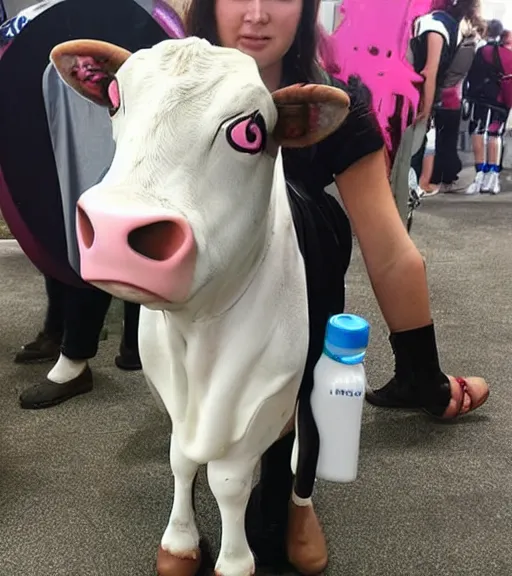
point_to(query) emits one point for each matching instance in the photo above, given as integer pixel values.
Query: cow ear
(308, 113)
(89, 66)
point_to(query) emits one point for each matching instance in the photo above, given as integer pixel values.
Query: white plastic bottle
(338, 396)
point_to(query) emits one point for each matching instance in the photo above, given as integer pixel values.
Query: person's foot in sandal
(419, 383)
(45, 348)
(463, 396)
(430, 190)
(67, 379)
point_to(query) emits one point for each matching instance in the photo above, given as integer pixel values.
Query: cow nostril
(157, 241)
(86, 228)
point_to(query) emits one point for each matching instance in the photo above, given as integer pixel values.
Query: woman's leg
(477, 127)
(426, 173)
(128, 358)
(492, 182)
(85, 312)
(453, 164)
(439, 158)
(46, 346)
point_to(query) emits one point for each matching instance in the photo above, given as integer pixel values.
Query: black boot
(419, 382)
(127, 359)
(266, 520)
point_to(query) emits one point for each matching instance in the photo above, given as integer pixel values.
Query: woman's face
(263, 29)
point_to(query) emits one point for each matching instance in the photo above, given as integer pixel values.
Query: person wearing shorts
(487, 123)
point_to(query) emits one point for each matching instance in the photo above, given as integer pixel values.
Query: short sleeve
(359, 136)
(431, 23)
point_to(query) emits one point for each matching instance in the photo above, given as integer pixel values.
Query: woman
(490, 95)
(281, 36)
(432, 50)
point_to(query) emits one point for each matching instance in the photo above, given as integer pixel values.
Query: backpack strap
(496, 58)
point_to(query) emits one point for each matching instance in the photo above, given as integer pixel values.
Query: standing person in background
(488, 91)
(71, 334)
(447, 115)
(432, 50)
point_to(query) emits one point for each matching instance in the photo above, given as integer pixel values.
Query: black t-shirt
(315, 167)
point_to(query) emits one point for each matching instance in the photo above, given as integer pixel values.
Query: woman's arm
(435, 44)
(395, 266)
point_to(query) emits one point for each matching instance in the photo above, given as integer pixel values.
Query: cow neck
(217, 298)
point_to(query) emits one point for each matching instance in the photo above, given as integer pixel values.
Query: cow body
(229, 376)
(193, 221)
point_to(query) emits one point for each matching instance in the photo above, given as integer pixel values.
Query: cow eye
(248, 134)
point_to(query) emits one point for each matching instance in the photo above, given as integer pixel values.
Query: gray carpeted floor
(85, 488)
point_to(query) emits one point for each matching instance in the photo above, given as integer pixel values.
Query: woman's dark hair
(300, 61)
(465, 10)
(494, 29)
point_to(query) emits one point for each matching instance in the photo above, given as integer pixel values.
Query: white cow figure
(193, 221)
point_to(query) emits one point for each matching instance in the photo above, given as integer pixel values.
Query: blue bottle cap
(347, 338)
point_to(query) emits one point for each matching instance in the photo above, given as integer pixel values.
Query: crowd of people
(474, 89)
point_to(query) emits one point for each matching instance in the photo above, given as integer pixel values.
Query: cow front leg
(230, 482)
(179, 553)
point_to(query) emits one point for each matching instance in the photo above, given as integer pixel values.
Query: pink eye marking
(113, 94)
(248, 134)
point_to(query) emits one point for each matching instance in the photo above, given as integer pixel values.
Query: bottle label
(345, 393)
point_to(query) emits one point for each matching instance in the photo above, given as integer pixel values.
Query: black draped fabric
(325, 240)
(30, 197)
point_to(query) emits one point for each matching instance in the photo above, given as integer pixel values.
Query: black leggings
(76, 316)
(447, 164)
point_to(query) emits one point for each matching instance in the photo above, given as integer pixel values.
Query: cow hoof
(307, 550)
(169, 565)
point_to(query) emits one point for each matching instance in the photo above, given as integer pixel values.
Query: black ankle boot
(128, 358)
(419, 382)
(266, 519)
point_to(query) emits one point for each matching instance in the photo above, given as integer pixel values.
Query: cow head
(186, 202)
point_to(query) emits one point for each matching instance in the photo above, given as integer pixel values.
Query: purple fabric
(168, 19)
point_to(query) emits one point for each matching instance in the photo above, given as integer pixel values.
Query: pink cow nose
(153, 253)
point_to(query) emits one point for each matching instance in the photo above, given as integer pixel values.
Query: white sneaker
(476, 186)
(493, 184)
(486, 183)
(413, 183)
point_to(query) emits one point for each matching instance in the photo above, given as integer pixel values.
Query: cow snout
(135, 254)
